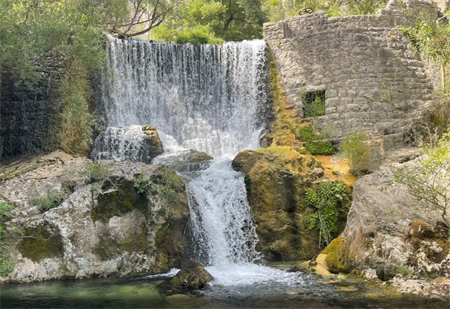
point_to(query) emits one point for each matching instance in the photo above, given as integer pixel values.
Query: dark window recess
(313, 103)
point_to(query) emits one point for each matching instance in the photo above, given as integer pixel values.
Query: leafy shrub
(141, 185)
(326, 199)
(428, 178)
(313, 103)
(357, 151)
(307, 134)
(320, 148)
(6, 265)
(46, 202)
(5, 215)
(95, 172)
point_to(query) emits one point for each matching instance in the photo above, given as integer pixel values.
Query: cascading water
(205, 97)
(211, 98)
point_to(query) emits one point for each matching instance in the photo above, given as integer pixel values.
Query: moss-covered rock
(276, 179)
(41, 242)
(334, 257)
(112, 231)
(192, 276)
(119, 202)
(172, 205)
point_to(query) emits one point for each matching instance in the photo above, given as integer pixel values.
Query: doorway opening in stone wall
(313, 103)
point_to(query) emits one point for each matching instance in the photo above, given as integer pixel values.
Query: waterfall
(211, 98)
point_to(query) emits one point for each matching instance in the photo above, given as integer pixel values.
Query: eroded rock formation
(390, 231)
(109, 219)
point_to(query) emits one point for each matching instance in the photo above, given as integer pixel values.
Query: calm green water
(144, 293)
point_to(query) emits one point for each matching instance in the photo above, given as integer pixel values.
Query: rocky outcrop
(389, 231)
(192, 276)
(186, 161)
(276, 179)
(79, 219)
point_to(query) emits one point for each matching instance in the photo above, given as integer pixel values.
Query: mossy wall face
(169, 242)
(39, 243)
(119, 202)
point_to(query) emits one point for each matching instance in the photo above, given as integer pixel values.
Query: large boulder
(79, 219)
(192, 276)
(390, 231)
(186, 161)
(276, 179)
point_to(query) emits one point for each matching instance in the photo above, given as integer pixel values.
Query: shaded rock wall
(371, 78)
(29, 118)
(113, 232)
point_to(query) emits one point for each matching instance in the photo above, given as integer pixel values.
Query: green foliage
(169, 184)
(307, 134)
(357, 151)
(95, 172)
(142, 184)
(324, 148)
(46, 202)
(278, 9)
(314, 143)
(431, 39)
(440, 107)
(5, 215)
(428, 177)
(313, 103)
(6, 265)
(326, 199)
(212, 21)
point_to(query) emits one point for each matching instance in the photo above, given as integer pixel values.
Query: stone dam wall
(371, 78)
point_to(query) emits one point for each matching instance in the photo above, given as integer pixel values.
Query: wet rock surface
(192, 276)
(186, 161)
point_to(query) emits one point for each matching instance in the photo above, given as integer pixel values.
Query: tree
(144, 16)
(432, 39)
(213, 21)
(428, 177)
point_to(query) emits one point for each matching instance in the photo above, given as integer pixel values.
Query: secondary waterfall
(211, 98)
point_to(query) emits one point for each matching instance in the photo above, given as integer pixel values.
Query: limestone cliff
(78, 219)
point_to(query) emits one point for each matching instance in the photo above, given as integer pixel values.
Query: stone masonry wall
(371, 78)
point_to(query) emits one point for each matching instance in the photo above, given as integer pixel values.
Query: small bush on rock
(320, 148)
(6, 265)
(141, 185)
(357, 150)
(428, 177)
